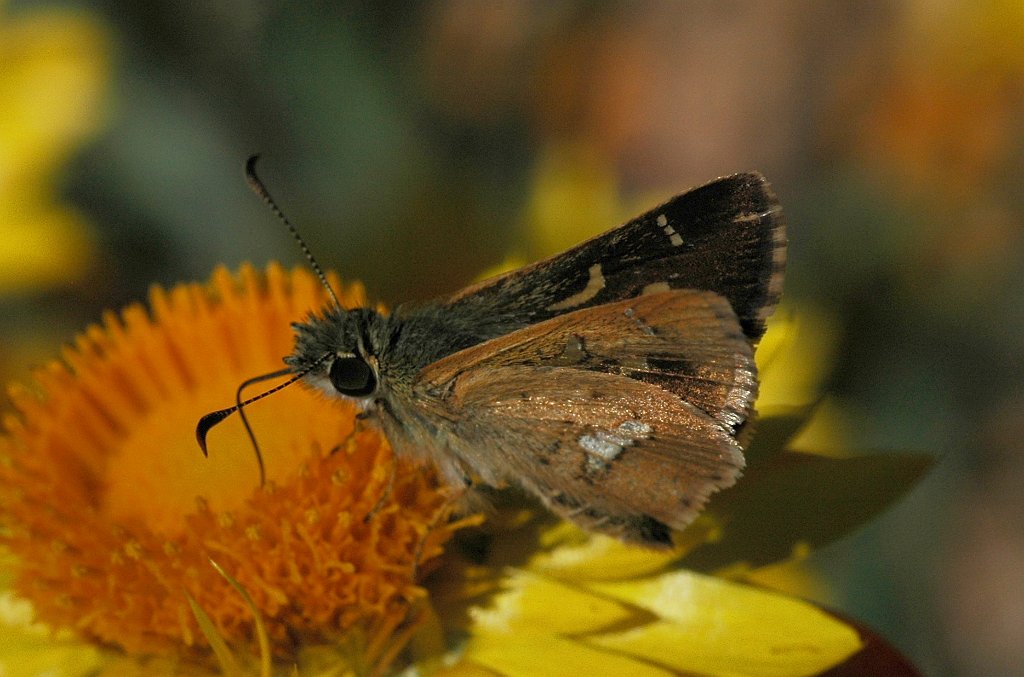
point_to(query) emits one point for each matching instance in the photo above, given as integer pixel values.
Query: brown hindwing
(621, 417)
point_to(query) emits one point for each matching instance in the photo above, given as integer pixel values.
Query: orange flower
(113, 515)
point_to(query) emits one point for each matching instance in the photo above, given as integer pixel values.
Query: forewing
(727, 237)
(621, 418)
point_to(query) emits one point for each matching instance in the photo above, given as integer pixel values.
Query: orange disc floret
(113, 514)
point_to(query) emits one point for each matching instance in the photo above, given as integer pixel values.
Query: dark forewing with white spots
(727, 236)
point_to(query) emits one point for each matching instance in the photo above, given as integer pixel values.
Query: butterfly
(615, 381)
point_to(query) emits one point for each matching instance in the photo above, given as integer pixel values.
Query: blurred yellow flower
(54, 65)
(574, 196)
(794, 357)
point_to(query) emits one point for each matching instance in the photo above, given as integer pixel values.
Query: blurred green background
(418, 144)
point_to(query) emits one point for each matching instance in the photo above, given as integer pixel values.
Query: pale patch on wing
(655, 287)
(574, 351)
(673, 237)
(594, 285)
(606, 445)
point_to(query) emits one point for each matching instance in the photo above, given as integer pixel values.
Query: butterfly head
(335, 351)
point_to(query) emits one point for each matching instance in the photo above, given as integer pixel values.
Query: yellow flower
(587, 604)
(53, 68)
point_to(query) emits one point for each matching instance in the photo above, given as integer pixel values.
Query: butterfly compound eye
(352, 376)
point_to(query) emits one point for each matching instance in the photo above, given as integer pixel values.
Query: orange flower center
(113, 513)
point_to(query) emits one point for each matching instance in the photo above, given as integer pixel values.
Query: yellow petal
(711, 626)
(465, 669)
(533, 601)
(530, 630)
(676, 622)
(792, 577)
(539, 654)
(28, 648)
(569, 554)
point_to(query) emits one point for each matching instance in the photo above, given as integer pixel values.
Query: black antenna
(207, 422)
(257, 186)
(245, 419)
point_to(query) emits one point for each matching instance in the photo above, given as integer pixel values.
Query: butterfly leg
(385, 496)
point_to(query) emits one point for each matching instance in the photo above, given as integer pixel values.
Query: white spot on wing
(675, 238)
(605, 445)
(594, 285)
(739, 399)
(636, 429)
(600, 445)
